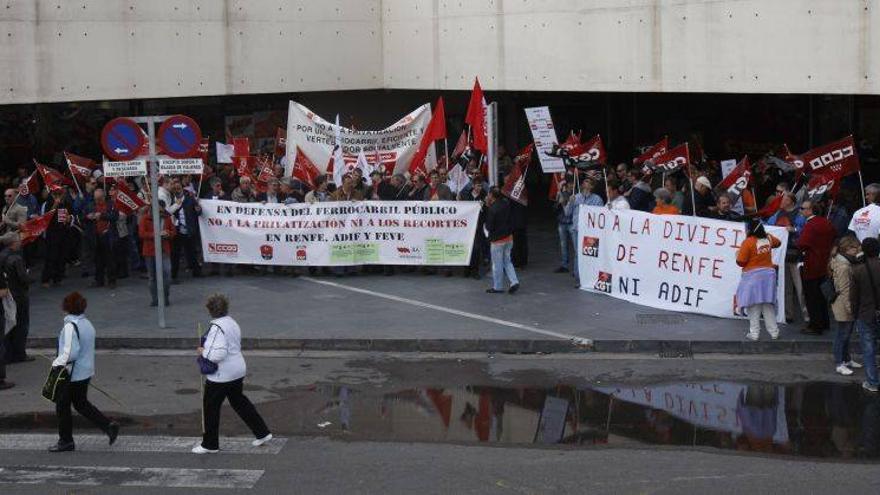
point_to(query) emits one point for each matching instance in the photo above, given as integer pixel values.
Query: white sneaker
(198, 449)
(854, 365)
(774, 336)
(843, 370)
(260, 441)
(753, 338)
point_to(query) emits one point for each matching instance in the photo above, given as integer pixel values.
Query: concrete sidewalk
(409, 312)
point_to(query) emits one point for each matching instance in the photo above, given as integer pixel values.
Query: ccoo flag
(515, 183)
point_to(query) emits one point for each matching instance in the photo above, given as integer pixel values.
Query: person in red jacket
(815, 242)
(145, 231)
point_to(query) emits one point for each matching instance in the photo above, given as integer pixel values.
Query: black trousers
(184, 243)
(817, 306)
(76, 394)
(120, 256)
(53, 265)
(215, 394)
(16, 340)
(520, 252)
(105, 263)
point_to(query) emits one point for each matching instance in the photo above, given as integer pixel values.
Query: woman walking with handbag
(757, 287)
(221, 361)
(840, 270)
(76, 352)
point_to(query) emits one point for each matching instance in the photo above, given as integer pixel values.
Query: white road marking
(577, 340)
(131, 476)
(98, 443)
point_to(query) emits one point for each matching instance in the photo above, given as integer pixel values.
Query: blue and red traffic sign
(122, 139)
(180, 137)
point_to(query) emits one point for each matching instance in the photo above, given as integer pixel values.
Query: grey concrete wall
(69, 50)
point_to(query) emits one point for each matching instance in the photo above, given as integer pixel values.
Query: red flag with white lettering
(672, 160)
(515, 183)
(821, 184)
(653, 152)
(51, 177)
(126, 200)
(590, 151)
(244, 165)
(80, 167)
(838, 157)
(280, 142)
(33, 228)
(30, 186)
(304, 169)
(739, 179)
(476, 118)
(435, 130)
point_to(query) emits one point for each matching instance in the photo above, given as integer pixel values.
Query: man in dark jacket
(498, 225)
(99, 222)
(57, 236)
(863, 298)
(4, 290)
(13, 267)
(815, 242)
(185, 211)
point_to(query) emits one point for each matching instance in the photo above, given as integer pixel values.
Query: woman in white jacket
(223, 347)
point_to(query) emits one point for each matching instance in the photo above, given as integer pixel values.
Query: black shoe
(561, 269)
(6, 385)
(493, 291)
(113, 432)
(513, 288)
(63, 447)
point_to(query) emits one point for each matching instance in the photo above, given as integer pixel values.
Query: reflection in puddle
(819, 420)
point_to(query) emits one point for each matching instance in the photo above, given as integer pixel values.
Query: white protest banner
(339, 233)
(727, 166)
(131, 168)
(671, 262)
(182, 166)
(718, 406)
(393, 146)
(544, 135)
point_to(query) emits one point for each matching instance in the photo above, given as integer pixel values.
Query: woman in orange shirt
(757, 287)
(664, 203)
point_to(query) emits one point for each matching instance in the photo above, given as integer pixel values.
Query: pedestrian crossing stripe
(141, 443)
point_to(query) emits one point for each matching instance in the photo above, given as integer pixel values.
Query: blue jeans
(566, 238)
(868, 334)
(501, 264)
(841, 341)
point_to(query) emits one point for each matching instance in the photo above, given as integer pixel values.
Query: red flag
(204, 150)
(127, 201)
(460, 146)
(573, 139)
(280, 142)
(304, 169)
(33, 228)
(591, 151)
(244, 165)
(839, 157)
(672, 160)
(436, 130)
(772, 207)
(653, 152)
(476, 118)
(267, 170)
(51, 177)
(80, 167)
(31, 185)
(820, 184)
(739, 179)
(241, 146)
(515, 184)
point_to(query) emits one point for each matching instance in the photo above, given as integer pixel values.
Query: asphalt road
(407, 423)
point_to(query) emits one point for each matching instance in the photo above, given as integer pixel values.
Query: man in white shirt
(616, 201)
(866, 221)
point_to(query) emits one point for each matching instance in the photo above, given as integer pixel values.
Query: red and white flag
(822, 184)
(672, 160)
(772, 207)
(515, 184)
(838, 157)
(51, 177)
(80, 167)
(739, 179)
(653, 152)
(476, 118)
(30, 230)
(304, 169)
(435, 130)
(245, 165)
(280, 142)
(126, 200)
(573, 139)
(204, 150)
(30, 186)
(241, 146)
(590, 151)
(460, 146)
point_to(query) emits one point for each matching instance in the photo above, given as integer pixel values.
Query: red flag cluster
(30, 230)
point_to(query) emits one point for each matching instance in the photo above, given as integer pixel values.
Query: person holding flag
(57, 235)
(100, 230)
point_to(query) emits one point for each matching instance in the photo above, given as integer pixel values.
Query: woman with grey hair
(222, 346)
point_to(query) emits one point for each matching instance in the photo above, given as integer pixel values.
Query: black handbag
(58, 377)
(829, 290)
(206, 366)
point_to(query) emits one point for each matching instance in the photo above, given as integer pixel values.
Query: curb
(666, 348)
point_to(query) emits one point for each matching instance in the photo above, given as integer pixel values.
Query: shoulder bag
(206, 366)
(58, 377)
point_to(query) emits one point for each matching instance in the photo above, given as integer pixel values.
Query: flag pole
(693, 197)
(862, 184)
(446, 153)
(73, 176)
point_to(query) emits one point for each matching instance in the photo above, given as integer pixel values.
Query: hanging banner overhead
(131, 168)
(671, 262)
(544, 135)
(393, 147)
(339, 233)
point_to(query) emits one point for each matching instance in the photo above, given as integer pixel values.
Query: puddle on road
(815, 420)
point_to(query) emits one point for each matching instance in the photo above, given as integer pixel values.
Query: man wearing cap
(704, 200)
(16, 274)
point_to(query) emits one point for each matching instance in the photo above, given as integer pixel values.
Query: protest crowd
(83, 224)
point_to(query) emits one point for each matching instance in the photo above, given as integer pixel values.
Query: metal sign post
(153, 170)
(492, 132)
